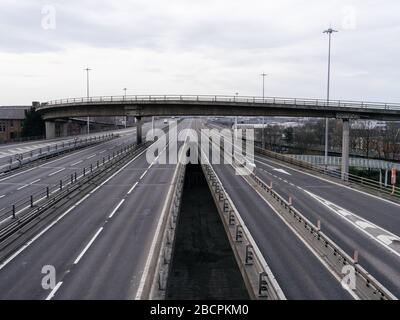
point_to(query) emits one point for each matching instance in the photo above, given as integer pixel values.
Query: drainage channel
(203, 263)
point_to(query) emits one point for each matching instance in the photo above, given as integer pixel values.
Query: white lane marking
(116, 208)
(133, 187)
(2, 196)
(282, 171)
(145, 272)
(323, 262)
(47, 163)
(33, 182)
(364, 224)
(24, 186)
(26, 245)
(93, 155)
(102, 151)
(17, 174)
(143, 174)
(83, 199)
(88, 246)
(55, 172)
(388, 239)
(53, 292)
(345, 214)
(325, 180)
(75, 163)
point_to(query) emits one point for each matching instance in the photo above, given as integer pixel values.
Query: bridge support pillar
(345, 149)
(50, 129)
(64, 129)
(138, 130)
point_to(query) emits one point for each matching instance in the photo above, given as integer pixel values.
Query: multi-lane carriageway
(101, 243)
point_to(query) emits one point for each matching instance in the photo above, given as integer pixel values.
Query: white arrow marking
(282, 171)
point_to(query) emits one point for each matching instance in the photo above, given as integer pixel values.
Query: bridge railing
(224, 98)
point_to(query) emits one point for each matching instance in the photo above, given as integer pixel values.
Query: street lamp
(126, 117)
(236, 118)
(329, 32)
(263, 118)
(87, 95)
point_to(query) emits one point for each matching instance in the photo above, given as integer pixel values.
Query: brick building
(11, 119)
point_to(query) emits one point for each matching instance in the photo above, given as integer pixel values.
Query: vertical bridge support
(50, 129)
(345, 149)
(138, 130)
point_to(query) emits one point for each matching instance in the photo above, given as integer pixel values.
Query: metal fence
(224, 98)
(20, 159)
(354, 162)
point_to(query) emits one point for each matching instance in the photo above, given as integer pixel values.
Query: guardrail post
(31, 201)
(355, 256)
(91, 167)
(319, 225)
(97, 163)
(47, 192)
(84, 171)
(13, 211)
(75, 175)
(61, 184)
(262, 285)
(72, 178)
(249, 255)
(239, 234)
(290, 202)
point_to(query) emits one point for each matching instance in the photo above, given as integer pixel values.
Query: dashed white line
(2, 196)
(102, 151)
(88, 246)
(116, 208)
(75, 163)
(133, 187)
(55, 172)
(93, 155)
(33, 182)
(22, 187)
(12, 257)
(53, 292)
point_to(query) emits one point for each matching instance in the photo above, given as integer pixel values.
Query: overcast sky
(198, 47)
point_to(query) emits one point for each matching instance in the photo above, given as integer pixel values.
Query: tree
(288, 133)
(33, 124)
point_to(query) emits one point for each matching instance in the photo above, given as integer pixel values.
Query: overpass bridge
(217, 105)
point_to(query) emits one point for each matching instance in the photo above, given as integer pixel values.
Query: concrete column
(64, 129)
(50, 129)
(345, 149)
(138, 130)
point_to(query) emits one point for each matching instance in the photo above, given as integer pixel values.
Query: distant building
(11, 120)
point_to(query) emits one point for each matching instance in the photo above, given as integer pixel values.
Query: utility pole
(126, 117)
(263, 118)
(87, 95)
(329, 32)
(236, 118)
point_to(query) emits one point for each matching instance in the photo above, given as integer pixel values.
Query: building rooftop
(13, 112)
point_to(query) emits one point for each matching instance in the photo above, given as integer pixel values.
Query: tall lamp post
(329, 32)
(87, 95)
(263, 118)
(126, 117)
